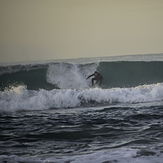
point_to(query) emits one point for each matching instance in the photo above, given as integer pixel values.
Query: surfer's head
(96, 72)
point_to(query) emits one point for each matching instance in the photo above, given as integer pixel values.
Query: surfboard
(94, 86)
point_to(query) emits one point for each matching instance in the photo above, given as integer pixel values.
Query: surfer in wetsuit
(98, 77)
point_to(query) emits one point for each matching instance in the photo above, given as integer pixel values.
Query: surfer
(98, 77)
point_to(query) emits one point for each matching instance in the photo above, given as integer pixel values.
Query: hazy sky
(58, 29)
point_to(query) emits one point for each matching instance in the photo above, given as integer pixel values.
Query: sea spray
(73, 76)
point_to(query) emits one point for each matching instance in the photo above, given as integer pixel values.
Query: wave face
(33, 77)
(131, 74)
(73, 76)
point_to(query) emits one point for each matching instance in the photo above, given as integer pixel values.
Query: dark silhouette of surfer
(98, 77)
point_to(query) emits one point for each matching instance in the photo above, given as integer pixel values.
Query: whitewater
(50, 113)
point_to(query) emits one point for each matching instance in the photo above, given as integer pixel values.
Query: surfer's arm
(90, 76)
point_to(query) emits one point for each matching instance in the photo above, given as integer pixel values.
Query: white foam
(19, 98)
(121, 155)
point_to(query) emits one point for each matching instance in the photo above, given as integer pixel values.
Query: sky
(35, 30)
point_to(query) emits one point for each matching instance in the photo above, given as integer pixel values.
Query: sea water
(50, 114)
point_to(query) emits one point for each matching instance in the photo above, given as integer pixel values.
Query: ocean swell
(73, 76)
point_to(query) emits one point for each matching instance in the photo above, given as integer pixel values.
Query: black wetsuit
(98, 77)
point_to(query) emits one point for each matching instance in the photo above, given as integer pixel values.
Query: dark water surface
(80, 130)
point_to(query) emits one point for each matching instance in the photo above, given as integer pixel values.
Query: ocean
(49, 113)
